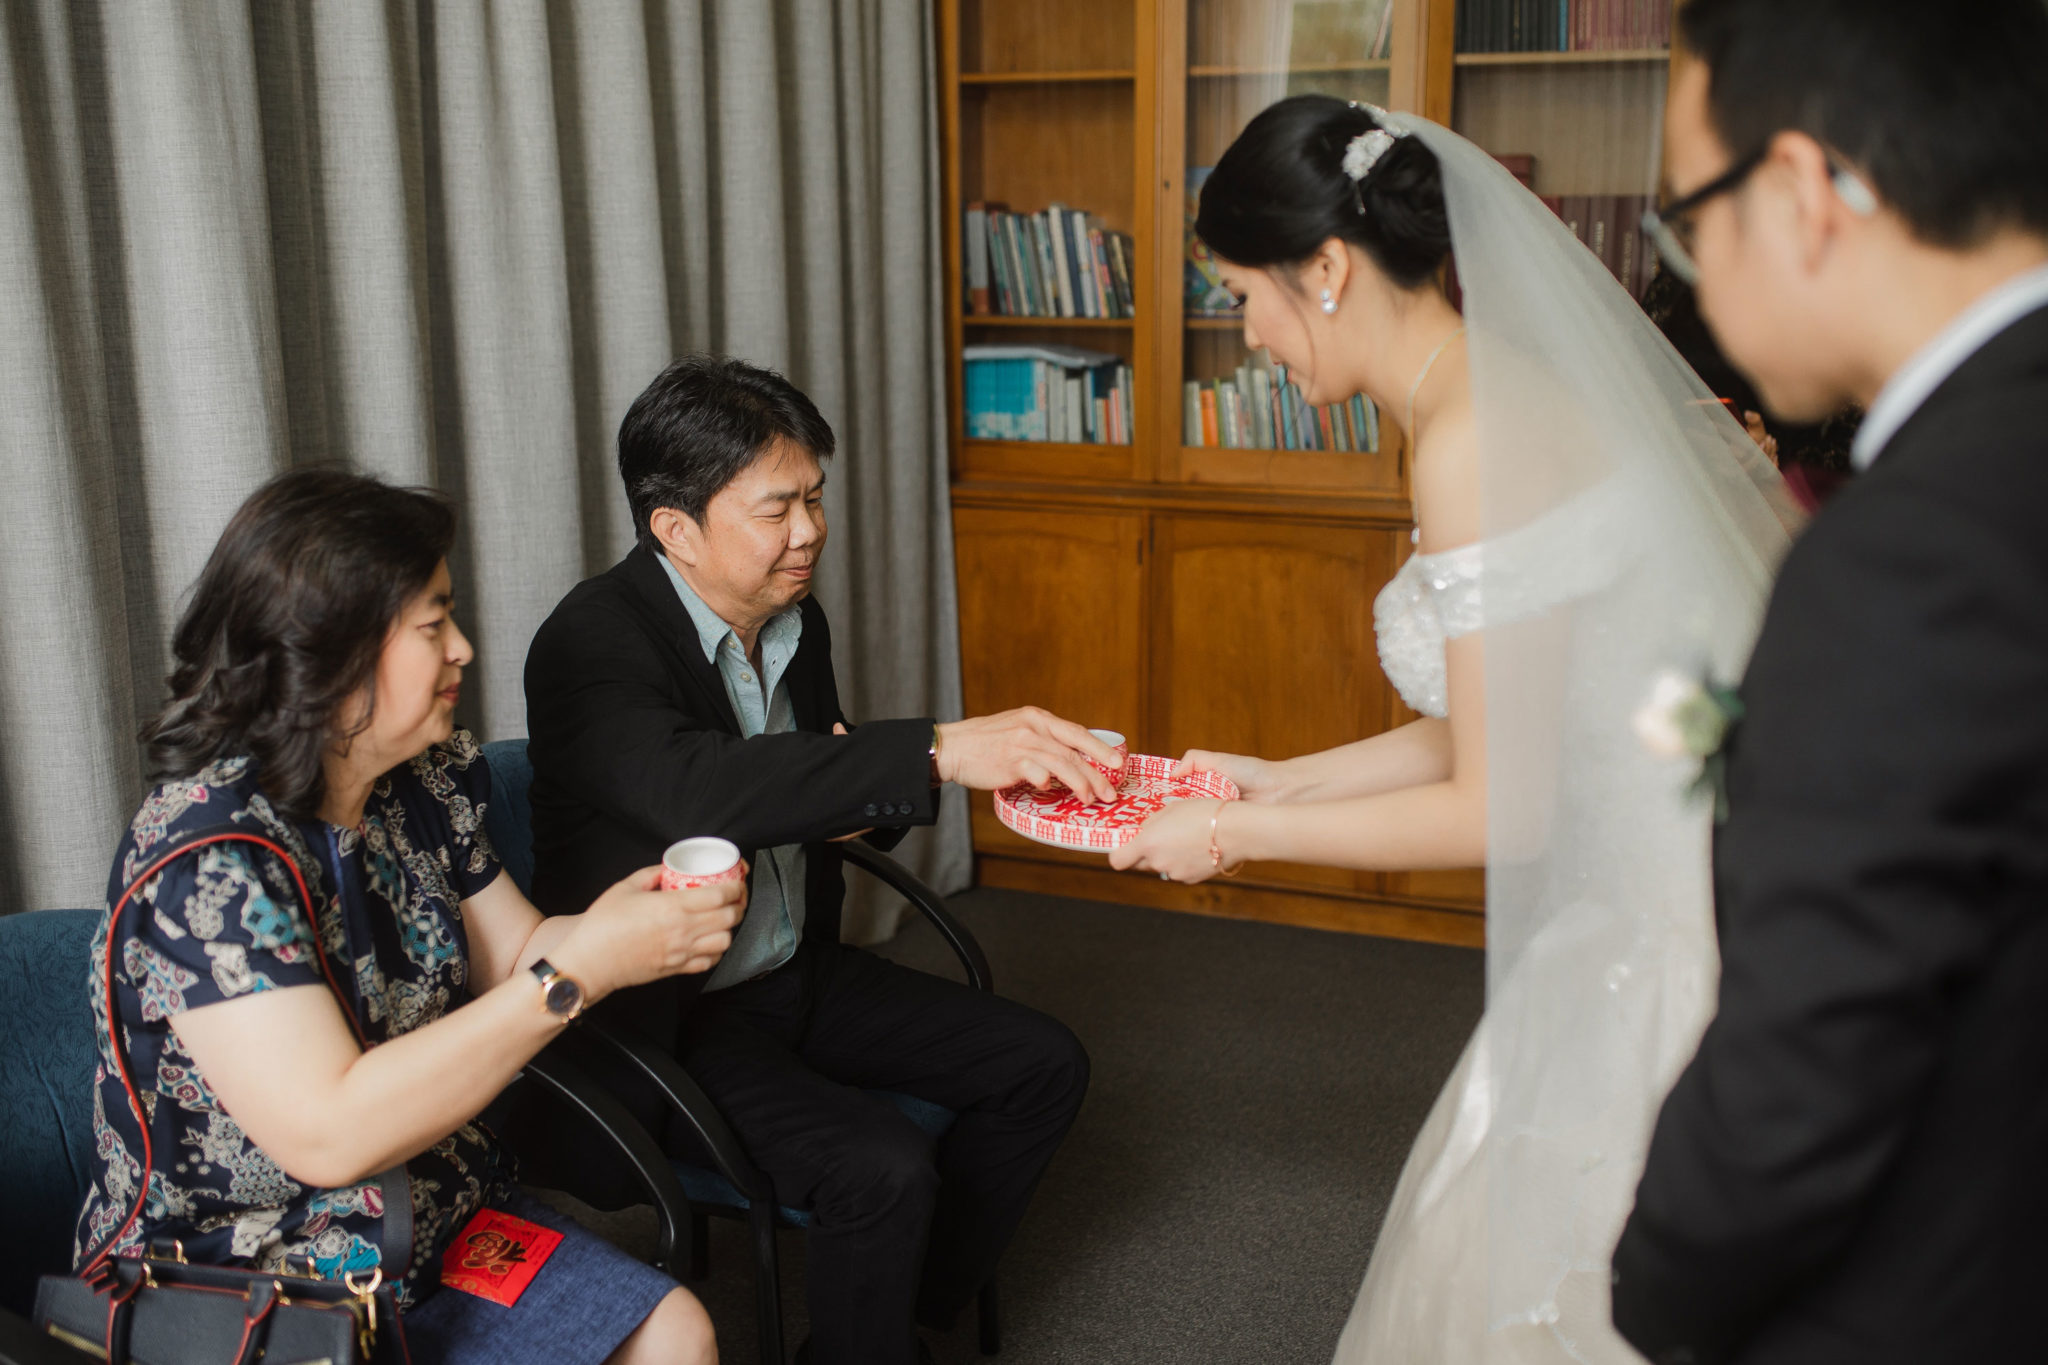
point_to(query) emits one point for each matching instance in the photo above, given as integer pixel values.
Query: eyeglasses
(1671, 228)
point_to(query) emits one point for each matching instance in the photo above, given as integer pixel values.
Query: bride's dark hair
(1280, 192)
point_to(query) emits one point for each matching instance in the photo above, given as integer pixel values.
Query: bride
(1588, 521)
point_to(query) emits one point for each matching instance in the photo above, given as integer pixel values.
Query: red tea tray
(1064, 820)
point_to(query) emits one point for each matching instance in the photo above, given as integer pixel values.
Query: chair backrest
(47, 1058)
(509, 819)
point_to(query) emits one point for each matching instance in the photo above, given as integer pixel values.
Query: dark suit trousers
(902, 1227)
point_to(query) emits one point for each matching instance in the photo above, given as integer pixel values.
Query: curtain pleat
(447, 241)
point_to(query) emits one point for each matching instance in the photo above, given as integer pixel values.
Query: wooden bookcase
(1195, 596)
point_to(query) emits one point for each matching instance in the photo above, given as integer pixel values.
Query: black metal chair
(731, 1186)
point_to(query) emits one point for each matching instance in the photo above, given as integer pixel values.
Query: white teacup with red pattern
(1116, 776)
(703, 861)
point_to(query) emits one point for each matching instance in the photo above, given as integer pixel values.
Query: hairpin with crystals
(1364, 151)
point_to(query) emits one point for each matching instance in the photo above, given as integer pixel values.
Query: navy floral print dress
(226, 921)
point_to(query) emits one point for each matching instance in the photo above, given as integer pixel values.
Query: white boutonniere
(1687, 717)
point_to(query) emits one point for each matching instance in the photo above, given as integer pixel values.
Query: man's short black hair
(701, 423)
(1943, 108)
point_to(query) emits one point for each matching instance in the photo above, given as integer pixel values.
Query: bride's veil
(1630, 527)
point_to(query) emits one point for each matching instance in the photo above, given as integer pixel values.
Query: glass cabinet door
(1241, 418)
(1570, 95)
(1050, 236)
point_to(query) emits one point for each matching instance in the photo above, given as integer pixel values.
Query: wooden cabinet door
(1052, 612)
(1263, 644)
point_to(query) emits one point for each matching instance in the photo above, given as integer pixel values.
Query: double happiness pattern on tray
(1060, 818)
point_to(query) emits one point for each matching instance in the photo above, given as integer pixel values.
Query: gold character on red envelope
(493, 1253)
(496, 1256)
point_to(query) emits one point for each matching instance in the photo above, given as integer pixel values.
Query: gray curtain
(446, 241)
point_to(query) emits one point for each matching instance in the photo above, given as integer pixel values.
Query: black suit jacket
(635, 745)
(1854, 1168)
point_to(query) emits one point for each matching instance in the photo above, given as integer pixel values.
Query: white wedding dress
(1629, 526)
(1432, 600)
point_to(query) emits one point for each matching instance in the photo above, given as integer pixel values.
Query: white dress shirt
(1940, 358)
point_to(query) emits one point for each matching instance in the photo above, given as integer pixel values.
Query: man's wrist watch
(561, 996)
(937, 781)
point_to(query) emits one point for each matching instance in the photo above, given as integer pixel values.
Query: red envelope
(496, 1256)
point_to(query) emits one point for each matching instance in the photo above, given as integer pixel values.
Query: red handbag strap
(201, 839)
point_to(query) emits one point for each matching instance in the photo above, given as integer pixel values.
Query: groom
(1854, 1168)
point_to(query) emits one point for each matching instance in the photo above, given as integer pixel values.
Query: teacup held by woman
(703, 861)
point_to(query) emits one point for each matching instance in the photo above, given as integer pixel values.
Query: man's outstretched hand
(1029, 746)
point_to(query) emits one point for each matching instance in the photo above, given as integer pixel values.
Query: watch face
(564, 997)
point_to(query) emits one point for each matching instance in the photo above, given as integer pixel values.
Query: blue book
(1009, 388)
(1002, 399)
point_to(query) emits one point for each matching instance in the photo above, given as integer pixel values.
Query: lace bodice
(1433, 599)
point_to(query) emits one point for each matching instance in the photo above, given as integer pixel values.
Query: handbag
(158, 1309)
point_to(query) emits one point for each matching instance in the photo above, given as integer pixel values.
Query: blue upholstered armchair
(46, 1066)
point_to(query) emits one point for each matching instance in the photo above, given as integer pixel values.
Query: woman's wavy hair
(286, 624)
(1281, 191)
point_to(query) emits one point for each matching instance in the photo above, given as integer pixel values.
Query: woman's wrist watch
(561, 996)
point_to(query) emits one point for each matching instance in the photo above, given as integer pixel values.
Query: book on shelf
(974, 250)
(1056, 263)
(1259, 408)
(1041, 249)
(1203, 290)
(1048, 393)
(1521, 165)
(1610, 226)
(1563, 25)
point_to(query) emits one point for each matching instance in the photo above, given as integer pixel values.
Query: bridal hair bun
(1363, 152)
(1313, 167)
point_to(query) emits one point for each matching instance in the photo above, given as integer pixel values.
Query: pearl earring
(1329, 302)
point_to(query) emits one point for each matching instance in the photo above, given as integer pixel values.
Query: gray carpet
(1255, 1091)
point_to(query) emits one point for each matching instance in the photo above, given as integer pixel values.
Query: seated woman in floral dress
(295, 1087)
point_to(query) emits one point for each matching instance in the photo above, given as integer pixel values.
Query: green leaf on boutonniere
(1728, 711)
(1690, 717)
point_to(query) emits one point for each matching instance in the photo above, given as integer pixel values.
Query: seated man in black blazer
(689, 691)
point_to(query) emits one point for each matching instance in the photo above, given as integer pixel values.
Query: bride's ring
(1164, 877)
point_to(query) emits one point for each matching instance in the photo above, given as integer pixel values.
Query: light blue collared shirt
(767, 937)
(1936, 362)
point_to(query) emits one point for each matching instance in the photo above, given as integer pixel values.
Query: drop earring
(1329, 302)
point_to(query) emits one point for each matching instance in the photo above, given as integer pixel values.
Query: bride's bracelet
(1216, 849)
